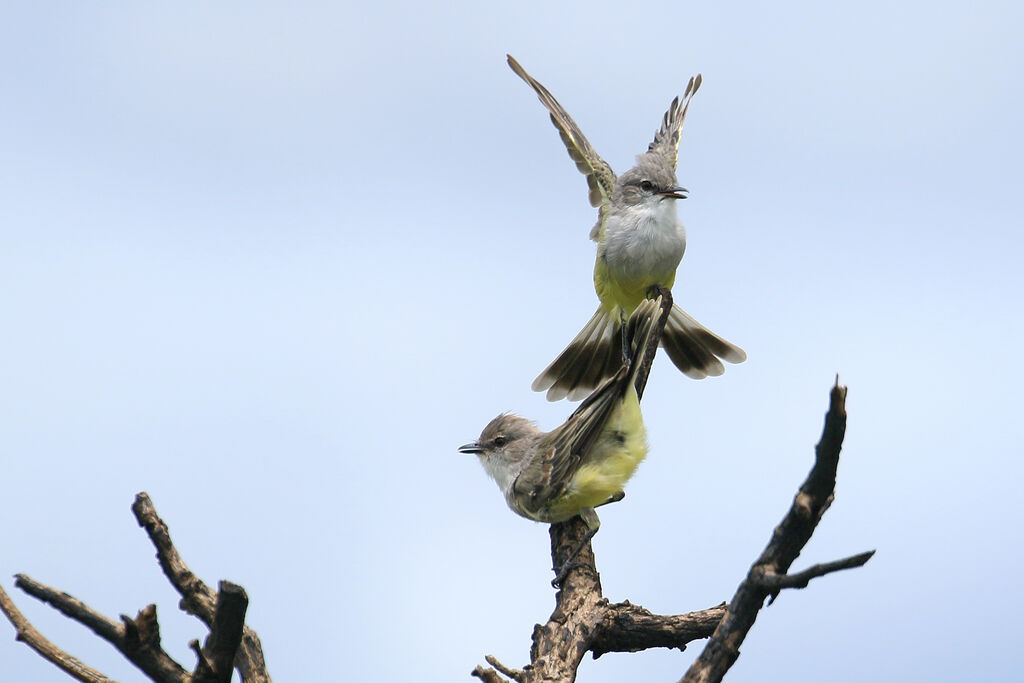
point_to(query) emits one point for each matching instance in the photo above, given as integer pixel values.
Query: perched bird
(640, 241)
(554, 476)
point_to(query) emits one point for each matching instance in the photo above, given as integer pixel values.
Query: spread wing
(600, 177)
(561, 452)
(666, 140)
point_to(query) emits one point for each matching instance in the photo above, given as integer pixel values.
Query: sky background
(273, 264)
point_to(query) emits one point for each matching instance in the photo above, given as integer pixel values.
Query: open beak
(676, 192)
(471, 448)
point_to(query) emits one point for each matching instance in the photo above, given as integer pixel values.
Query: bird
(584, 463)
(640, 242)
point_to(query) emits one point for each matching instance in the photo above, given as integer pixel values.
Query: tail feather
(566, 360)
(604, 362)
(595, 354)
(718, 346)
(696, 350)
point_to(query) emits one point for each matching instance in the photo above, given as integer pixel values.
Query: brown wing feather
(666, 140)
(561, 452)
(600, 177)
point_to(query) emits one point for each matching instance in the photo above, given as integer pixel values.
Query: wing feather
(561, 452)
(666, 140)
(600, 177)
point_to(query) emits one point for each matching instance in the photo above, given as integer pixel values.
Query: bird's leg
(624, 332)
(593, 523)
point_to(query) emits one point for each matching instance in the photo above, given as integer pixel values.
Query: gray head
(504, 448)
(500, 433)
(652, 179)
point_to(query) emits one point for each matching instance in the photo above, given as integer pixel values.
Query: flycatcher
(640, 241)
(554, 476)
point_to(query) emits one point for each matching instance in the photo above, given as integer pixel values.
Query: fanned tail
(696, 350)
(595, 354)
(591, 357)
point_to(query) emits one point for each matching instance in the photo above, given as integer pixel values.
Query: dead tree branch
(137, 639)
(216, 658)
(584, 621)
(492, 676)
(631, 628)
(769, 575)
(487, 675)
(27, 634)
(197, 598)
(230, 643)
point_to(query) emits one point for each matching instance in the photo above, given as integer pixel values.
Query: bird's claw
(564, 570)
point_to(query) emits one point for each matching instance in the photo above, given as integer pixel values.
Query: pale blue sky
(274, 264)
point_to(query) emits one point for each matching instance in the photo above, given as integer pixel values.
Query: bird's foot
(654, 291)
(563, 571)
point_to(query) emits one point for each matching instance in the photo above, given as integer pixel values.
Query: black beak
(676, 192)
(471, 448)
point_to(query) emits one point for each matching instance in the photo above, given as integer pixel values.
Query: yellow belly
(612, 461)
(621, 292)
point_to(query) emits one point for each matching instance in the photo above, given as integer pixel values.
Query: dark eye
(500, 441)
(646, 185)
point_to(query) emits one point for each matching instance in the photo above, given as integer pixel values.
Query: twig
(487, 675)
(514, 674)
(204, 667)
(27, 634)
(773, 582)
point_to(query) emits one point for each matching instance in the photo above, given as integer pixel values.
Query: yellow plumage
(619, 450)
(623, 292)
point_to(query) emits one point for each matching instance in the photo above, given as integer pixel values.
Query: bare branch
(560, 645)
(790, 537)
(215, 666)
(583, 621)
(138, 640)
(816, 493)
(197, 598)
(72, 608)
(27, 634)
(204, 668)
(487, 675)
(514, 674)
(631, 628)
(229, 645)
(774, 582)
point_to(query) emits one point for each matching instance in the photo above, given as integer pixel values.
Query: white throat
(645, 240)
(502, 471)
